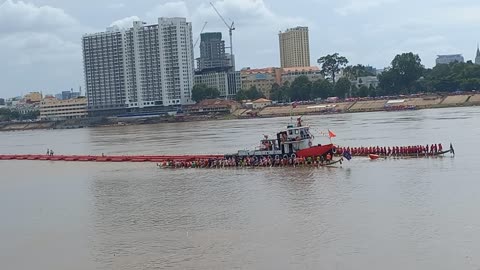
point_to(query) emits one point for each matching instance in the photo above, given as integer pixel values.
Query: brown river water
(384, 214)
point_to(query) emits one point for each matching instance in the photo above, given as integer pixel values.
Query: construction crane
(198, 38)
(230, 27)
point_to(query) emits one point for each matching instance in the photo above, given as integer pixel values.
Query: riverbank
(108, 122)
(371, 105)
(355, 106)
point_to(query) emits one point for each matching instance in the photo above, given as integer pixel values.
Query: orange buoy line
(110, 158)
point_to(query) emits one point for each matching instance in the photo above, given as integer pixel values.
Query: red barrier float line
(112, 158)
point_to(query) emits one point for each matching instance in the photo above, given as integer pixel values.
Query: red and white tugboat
(294, 142)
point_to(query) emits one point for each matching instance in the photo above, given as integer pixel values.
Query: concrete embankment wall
(474, 100)
(26, 126)
(372, 105)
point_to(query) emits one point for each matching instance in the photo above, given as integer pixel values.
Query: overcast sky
(40, 39)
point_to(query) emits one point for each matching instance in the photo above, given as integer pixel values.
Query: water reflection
(399, 214)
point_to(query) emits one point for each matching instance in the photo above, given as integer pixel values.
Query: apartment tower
(140, 68)
(294, 47)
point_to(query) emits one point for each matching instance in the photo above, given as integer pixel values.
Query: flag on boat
(331, 134)
(347, 155)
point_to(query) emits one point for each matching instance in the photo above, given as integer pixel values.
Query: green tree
(8, 115)
(252, 93)
(372, 91)
(331, 65)
(353, 90)
(278, 93)
(285, 88)
(354, 72)
(241, 95)
(202, 91)
(301, 88)
(363, 91)
(342, 87)
(453, 77)
(322, 89)
(405, 70)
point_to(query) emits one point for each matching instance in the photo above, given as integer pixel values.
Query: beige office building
(294, 47)
(262, 78)
(54, 109)
(290, 74)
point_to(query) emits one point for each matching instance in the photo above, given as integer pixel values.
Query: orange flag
(331, 134)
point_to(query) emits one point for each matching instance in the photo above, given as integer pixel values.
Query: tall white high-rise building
(103, 60)
(176, 60)
(141, 67)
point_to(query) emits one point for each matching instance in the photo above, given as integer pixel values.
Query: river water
(384, 214)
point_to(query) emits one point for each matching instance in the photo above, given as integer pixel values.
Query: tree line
(9, 115)
(405, 75)
(202, 91)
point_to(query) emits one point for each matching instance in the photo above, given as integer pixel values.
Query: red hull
(315, 151)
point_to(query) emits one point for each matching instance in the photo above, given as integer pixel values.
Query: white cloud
(37, 48)
(21, 16)
(125, 23)
(37, 32)
(359, 6)
(457, 14)
(116, 5)
(41, 42)
(250, 13)
(169, 9)
(254, 21)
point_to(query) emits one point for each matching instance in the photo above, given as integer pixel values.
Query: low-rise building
(290, 74)
(25, 108)
(212, 106)
(226, 82)
(54, 109)
(262, 78)
(367, 81)
(449, 58)
(33, 97)
(261, 103)
(67, 95)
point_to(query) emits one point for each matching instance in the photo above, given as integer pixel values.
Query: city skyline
(41, 39)
(142, 66)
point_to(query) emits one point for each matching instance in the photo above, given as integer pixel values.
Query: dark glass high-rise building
(212, 53)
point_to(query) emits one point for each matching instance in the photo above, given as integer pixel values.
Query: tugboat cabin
(294, 139)
(288, 142)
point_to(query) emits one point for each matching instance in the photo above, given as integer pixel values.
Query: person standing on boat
(48, 151)
(440, 147)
